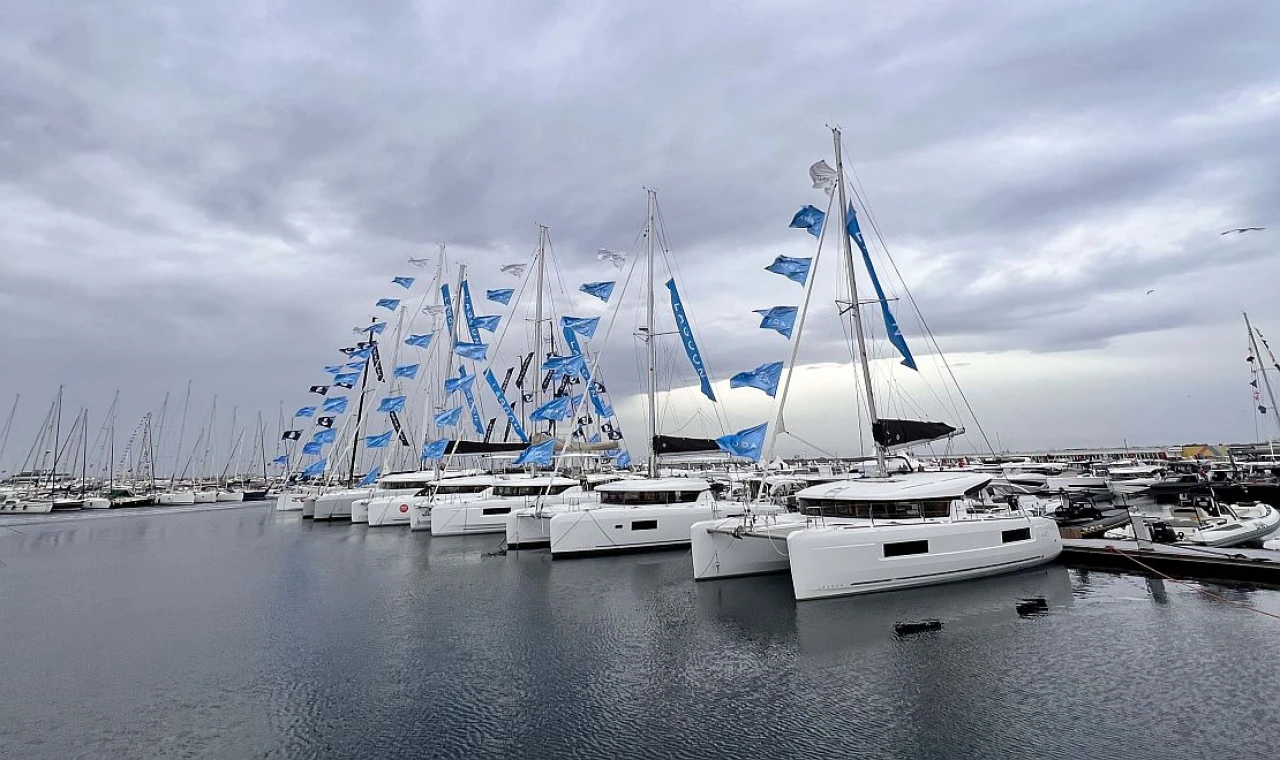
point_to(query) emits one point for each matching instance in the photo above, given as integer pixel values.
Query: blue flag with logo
(328, 435)
(780, 318)
(316, 469)
(435, 449)
(306, 411)
(335, 405)
(891, 328)
(372, 475)
(566, 365)
(809, 219)
(458, 383)
(357, 364)
(475, 351)
(765, 377)
(796, 270)
(584, 326)
(333, 369)
(556, 410)
(448, 417)
(375, 329)
(312, 447)
(421, 341)
(500, 295)
(360, 353)
(378, 441)
(601, 290)
(539, 453)
(406, 370)
(512, 417)
(404, 282)
(391, 404)
(624, 459)
(686, 338)
(390, 304)
(487, 323)
(744, 443)
(348, 379)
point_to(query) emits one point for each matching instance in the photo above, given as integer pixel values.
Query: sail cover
(670, 444)
(480, 447)
(893, 433)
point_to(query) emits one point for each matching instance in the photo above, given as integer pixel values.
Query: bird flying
(1242, 230)
(1149, 292)
(419, 262)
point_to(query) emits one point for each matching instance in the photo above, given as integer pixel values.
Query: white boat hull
(728, 548)
(840, 560)
(480, 516)
(1076, 484)
(230, 496)
(612, 530)
(389, 510)
(1131, 487)
(360, 511)
(337, 505)
(205, 497)
(24, 507)
(174, 499)
(96, 502)
(309, 506)
(290, 501)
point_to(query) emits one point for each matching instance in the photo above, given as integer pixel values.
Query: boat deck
(1192, 562)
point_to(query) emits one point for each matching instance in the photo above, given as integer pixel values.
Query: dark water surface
(243, 633)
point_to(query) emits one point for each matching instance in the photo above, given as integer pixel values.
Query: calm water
(241, 633)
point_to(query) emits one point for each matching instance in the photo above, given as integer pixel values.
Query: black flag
(291, 435)
(324, 422)
(321, 389)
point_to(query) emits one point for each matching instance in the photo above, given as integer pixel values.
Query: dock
(1111, 518)
(1189, 562)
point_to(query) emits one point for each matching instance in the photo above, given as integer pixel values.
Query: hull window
(905, 548)
(644, 524)
(496, 510)
(1020, 534)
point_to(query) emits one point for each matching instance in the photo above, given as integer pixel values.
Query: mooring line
(1206, 592)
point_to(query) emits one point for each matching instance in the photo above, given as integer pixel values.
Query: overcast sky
(219, 191)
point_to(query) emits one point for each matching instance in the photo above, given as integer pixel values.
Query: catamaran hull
(528, 530)
(289, 501)
(851, 559)
(485, 516)
(618, 530)
(335, 506)
(309, 507)
(389, 511)
(728, 548)
(420, 516)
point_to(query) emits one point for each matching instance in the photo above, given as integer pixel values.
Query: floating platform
(1111, 518)
(1190, 562)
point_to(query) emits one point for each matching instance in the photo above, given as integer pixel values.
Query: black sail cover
(890, 433)
(671, 444)
(480, 447)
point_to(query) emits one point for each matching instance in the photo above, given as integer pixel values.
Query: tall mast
(364, 383)
(651, 345)
(854, 308)
(1266, 380)
(8, 425)
(57, 433)
(539, 353)
(84, 451)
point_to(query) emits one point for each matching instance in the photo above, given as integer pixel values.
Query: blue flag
(312, 447)
(357, 364)
(601, 290)
(489, 324)
(306, 411)
(333, 369)
(809, 219)
(421, 341)
(555, 410)
(373, 474)
(283, 459)
(390, 304)
(406, 370)
(566, 365)
(458, 383)
(448, 417)
(512, 417)
(686, 338)
(476, 351)
(467, 381)
(584, 326)
(469, 311)
(335, 405)
(765, 377)
(377, 441)
(360, 353)
(780, 318)
(602, 407)
(539, 453)
(744, 443)
(404, 282)
(624, 459)
(348, 379)
(375, 329)
(316, 469)
(328, 435)
(891, 328)
(501, 295)
(435, 449)
(391, 404)
(796, 270)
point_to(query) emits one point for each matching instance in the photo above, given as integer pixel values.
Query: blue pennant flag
(391, 404)
(390, 304)
(404, 282)
(601, 290)
(584, 326)
(891, 328)
(796, 270)
(312, 447)
(512, 418)
(406, 370)
(448, 417)
(809, 219)
(435, 449)
(624, 459)
(458, 383)
(348, 379)
(375, 329)
(421, 341)
(744, 443)
(489, 323)
(283, 459)
(765, 377)
(333, 369)
(335, 405)
(686, 338)
(328, 435)
(377, 441)
(566, 365)
(539, 453)
(373, 474)
(501, 295)
(780, 318)
(556, 410)
(476, 351)
(314, 470)
(357, 364)
(306, 411)
(602, 407)
(360, 353)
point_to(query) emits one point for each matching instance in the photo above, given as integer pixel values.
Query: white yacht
(176, 498)
(336, 505)
(1199, 519)
(445, 491)
(1091, 480)
(488, 512)
(1133, 479)
(530, 527)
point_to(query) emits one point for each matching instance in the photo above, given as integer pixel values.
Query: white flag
(613, 257)
(823, 176)
(515, 270)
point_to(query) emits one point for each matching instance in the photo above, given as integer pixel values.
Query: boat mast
(8, 425)
(364, 382)
(182, 431)
(539, 353)
(1266, 380)
(57, 433)
(854, 308)
(651, 346)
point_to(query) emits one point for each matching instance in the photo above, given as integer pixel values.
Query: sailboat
(887, 530)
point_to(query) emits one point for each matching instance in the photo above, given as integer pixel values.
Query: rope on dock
(1204, 591)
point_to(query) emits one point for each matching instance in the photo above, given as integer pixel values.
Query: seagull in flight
(1242, 230)
(1149, 292)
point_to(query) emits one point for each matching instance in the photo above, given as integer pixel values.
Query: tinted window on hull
(644, 524)
(1020, 534)
(905, 548)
